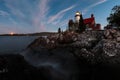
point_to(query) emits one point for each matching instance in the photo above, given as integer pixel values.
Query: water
(14, 44)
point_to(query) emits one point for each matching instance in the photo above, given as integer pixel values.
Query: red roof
(89, 20)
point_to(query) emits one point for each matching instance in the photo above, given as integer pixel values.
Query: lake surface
(14, 44)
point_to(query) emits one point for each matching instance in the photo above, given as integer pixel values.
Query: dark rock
(91, 55)
(71, 57)
(14, 67)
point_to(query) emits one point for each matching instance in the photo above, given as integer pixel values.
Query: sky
(30, 16)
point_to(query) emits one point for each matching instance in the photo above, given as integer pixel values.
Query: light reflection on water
(13, 44)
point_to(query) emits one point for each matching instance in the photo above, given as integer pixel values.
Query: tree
(81, 24)
(114, 18)
(59, 30)
(70, 24)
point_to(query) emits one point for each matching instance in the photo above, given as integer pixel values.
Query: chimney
(92, 15)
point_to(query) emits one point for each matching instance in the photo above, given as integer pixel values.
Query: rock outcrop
(68, 52)
(91, 55)
(91, 43)
(14, 67)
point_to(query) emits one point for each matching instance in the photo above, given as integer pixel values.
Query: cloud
(29, 13)
(34, 14)
(40, 17)
(41, 21)
(7, 15)
(97, 3)
(59, 15)
(3, 13)
(14, 10)
(20, 10)
(12, 20)
(93, 5)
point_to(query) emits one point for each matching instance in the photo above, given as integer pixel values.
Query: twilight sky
(29, 16)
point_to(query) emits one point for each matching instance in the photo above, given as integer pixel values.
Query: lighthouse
(77, 16)
(79, 24)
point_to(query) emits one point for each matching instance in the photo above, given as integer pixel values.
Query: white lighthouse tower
(77, 16)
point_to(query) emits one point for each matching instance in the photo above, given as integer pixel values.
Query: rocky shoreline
(91, 55)
(90, 43)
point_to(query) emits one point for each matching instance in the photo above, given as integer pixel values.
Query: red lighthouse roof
(89, 20)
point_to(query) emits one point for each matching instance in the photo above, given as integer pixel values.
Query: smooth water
(14, 44)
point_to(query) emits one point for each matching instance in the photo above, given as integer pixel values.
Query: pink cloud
(39, 18)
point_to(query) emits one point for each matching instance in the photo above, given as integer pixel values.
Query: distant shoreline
(31, 34)
(36, 34)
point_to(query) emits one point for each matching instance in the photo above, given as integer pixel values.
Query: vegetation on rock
(114, 18)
